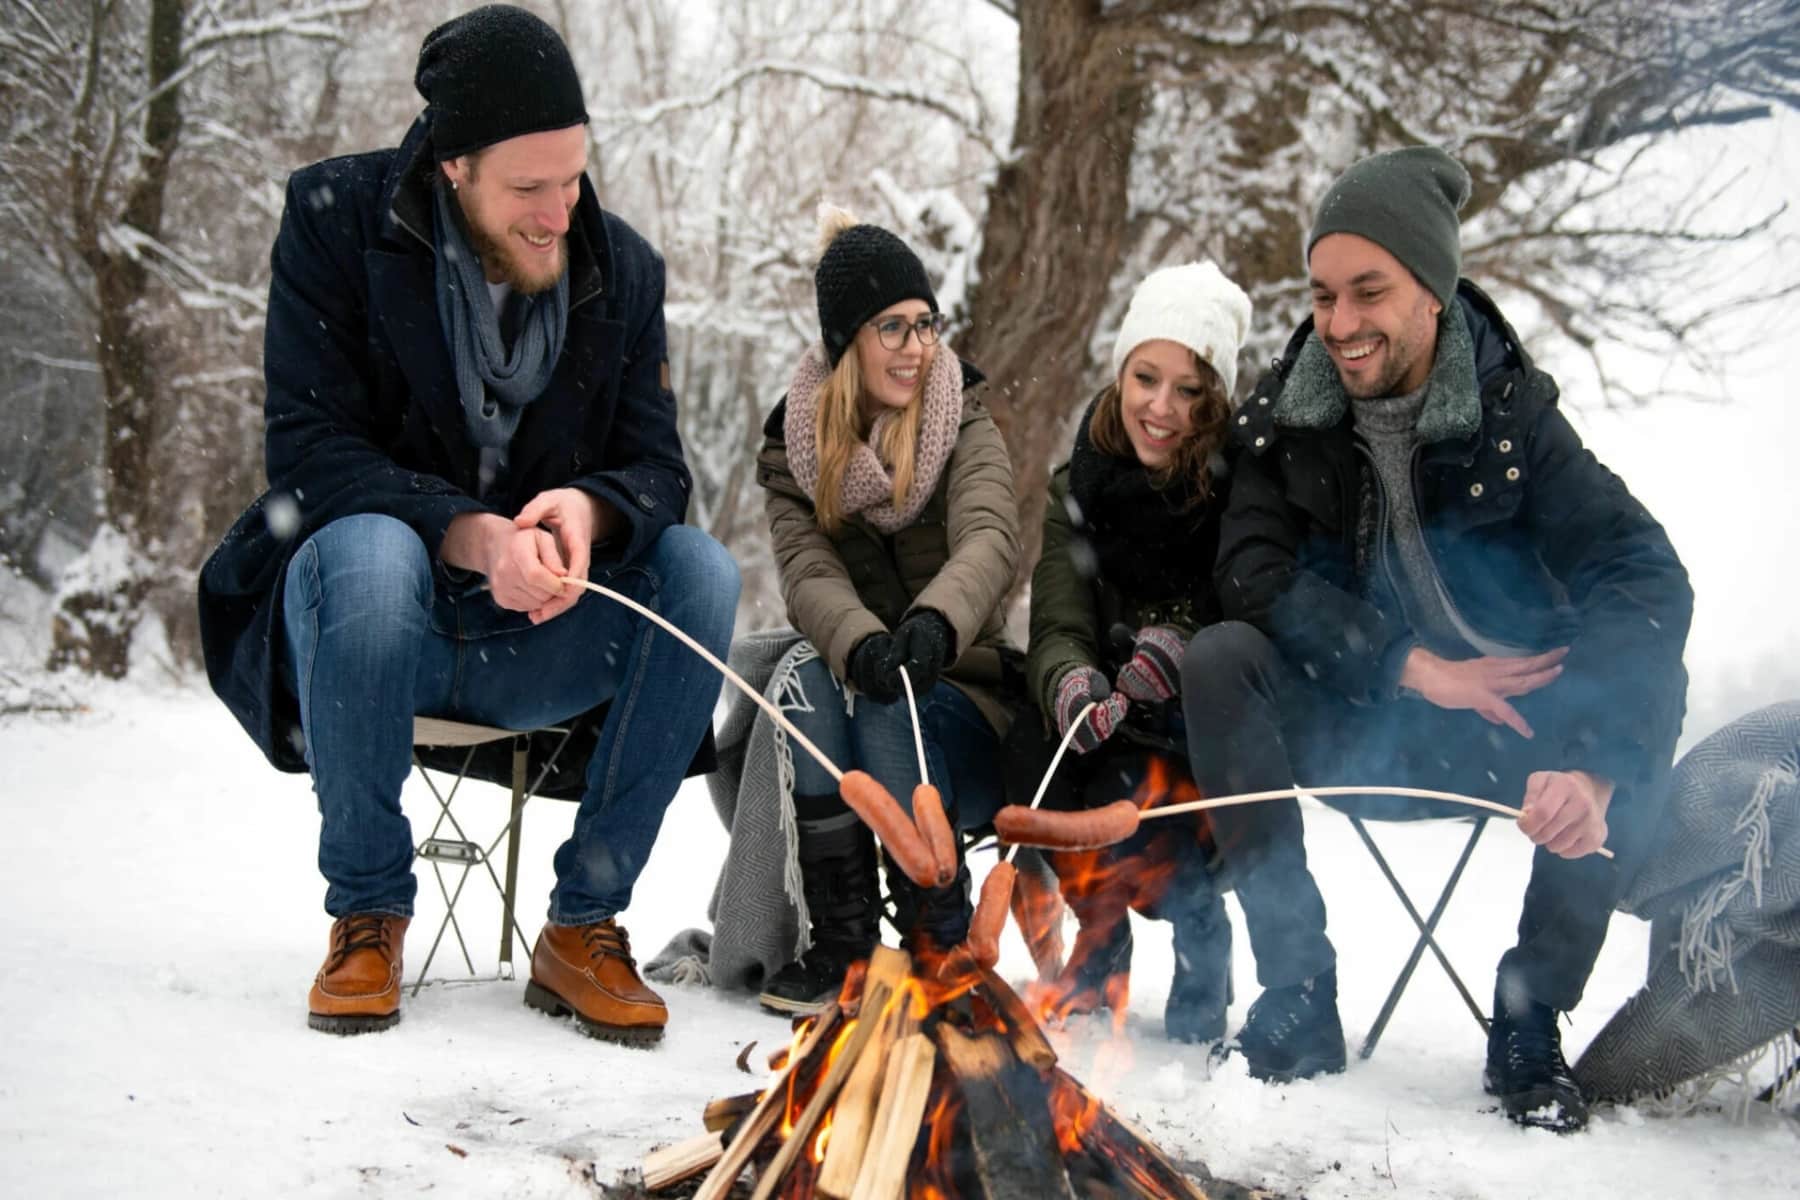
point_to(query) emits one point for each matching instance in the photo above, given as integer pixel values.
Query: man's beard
(499, 258)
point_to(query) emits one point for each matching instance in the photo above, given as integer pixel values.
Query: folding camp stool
(1427, 927)
(463, 853)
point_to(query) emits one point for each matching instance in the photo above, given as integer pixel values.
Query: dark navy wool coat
(363, 414)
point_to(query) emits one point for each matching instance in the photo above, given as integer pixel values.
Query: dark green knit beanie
(1405, 201)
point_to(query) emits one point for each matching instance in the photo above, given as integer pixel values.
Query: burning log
(684, 1160)
(1027, 1036)
(855, 1116)
(905, 1090)
(719, 1114)
(749, 1134)
(1015, 1155)
(1113, 1148)
(887, 969)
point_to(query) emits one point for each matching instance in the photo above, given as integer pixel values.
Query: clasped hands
(923, 643)
(525, 559)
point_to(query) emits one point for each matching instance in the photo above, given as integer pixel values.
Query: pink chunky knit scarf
(867, 487)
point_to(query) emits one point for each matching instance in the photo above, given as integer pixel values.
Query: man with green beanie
(1430, 582)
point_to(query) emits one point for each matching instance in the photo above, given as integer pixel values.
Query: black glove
(924, 644)
(869, 671)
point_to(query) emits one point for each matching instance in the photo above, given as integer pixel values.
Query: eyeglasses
(893, 330)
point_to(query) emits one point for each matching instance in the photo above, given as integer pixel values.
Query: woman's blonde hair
(839, 431)
(1192, 460)
(840, 427)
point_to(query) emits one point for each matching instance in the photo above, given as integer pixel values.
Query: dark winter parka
(1119, 554)
(363, 414)
(1536, 543)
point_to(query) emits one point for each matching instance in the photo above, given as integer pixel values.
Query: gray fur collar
(1314, 396)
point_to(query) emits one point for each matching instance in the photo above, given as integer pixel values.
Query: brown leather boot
(587, 970)
(358, 988)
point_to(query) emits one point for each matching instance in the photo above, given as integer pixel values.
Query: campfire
(922, 1081)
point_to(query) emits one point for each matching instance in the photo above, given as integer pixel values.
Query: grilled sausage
(1089, 829)
(990, 914)
(883, 814)
(934, 828)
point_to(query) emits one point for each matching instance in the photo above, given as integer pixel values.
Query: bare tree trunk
(1054, 235)
(93, 626)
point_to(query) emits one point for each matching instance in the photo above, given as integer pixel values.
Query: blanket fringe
(1706, 945)
(790, 697)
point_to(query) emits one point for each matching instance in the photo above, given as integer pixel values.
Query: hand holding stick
(1119, 820)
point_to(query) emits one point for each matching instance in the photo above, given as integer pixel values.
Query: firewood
(720, 1113)
(683, 1160)
(1006, 1105)
(905, 1091)
(887, 967)
(1022, 1030)
(853, 1118)
(766, 1116)
(1124, 1151)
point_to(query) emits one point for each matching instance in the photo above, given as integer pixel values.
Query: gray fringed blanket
(758, 913)
(1722, 893)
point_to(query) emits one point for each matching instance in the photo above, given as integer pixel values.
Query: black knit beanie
(1405, 201)
(864, 270)
(494, 73)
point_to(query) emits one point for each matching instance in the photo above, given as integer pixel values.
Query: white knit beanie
(1194, 305)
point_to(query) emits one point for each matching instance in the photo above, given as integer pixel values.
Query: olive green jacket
(957, 558)
(1071, 609)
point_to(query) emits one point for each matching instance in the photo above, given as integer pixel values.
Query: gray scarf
(495, 386)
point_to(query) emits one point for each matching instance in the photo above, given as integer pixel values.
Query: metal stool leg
(509, 894)
(1427, 930)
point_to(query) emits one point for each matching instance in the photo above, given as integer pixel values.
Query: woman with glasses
(1124, 581)
(890, 503)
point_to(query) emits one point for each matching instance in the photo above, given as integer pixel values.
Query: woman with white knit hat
(1124, 581)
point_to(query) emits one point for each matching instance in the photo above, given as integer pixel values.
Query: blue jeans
(962, 752)
(376, 635)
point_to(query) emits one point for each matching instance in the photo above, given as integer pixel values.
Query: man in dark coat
(1430, 582)
(468, 400)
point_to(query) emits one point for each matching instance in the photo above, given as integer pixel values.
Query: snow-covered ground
(166, 924)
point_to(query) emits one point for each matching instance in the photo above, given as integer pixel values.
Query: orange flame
(1102, 886)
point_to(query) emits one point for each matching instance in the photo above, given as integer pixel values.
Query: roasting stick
(989, 920)
(865, 796)
(928, 815)
(1297, 792)
(761, 701)
(912, 705)
(1062, 748)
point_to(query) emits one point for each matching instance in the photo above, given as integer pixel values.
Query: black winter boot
(1526, 1070)
(837, 874)
(1099, 968)
(1294, 1032)
(929, 919)
(1200, 991)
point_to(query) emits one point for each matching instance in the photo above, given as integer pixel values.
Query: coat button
(1512, 474)
(1262, 400)
(1261, 440)
(1243, 420)
(1475, 489)
(646, 501)
(1506, 445)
